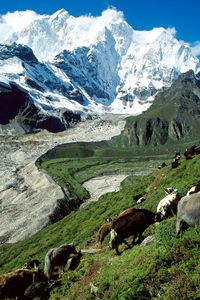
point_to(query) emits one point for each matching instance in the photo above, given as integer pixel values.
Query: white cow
(168, 204)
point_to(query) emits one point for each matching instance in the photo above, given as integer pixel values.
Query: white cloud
(112, 14)
(15, 22)
(195, 47)
(86, 29)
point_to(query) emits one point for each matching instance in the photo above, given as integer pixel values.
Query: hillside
(166, 269)
(173, 117)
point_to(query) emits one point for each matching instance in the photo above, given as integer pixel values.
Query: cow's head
(72, 248)
(113, 239)
(158, 217)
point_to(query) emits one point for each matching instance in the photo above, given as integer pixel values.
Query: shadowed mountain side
(19, 115)
(174, 116)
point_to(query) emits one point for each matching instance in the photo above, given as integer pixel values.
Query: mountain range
(58, 69)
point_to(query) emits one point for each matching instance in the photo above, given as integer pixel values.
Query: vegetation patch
(70, 165)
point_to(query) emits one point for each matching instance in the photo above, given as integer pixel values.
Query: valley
(24, 189)
(45, 176)
(59, 188)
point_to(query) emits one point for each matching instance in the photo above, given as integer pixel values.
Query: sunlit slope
(166, 269)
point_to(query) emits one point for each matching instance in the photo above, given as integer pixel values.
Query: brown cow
(175, 163)
(106, 227)
(197, 151)
(14, 284)
(131, 224)
(190, 152)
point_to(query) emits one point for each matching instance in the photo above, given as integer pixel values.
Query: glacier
(89, 65)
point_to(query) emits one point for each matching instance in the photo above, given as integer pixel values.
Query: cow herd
(132, 222)
(188, 154)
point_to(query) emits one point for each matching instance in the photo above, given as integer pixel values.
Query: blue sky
(140, 14)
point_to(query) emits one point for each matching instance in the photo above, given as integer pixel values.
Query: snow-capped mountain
(89, 64)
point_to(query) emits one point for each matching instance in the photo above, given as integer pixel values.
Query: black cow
(57, 258)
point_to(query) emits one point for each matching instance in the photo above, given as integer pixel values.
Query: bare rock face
(29, 198)
(27, 203)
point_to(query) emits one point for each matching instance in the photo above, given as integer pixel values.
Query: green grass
(167, 269)
(72, 164)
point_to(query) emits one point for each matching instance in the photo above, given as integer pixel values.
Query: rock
(148, 240)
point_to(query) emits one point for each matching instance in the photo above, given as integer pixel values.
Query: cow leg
(126, 243)
(139, 240)
(61, 270)
(117, 250)
(133, 241)
(179, 225)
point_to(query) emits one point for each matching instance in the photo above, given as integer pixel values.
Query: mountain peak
(62, 12)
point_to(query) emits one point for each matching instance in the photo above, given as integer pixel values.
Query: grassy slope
(72, 164)
(167, 269)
